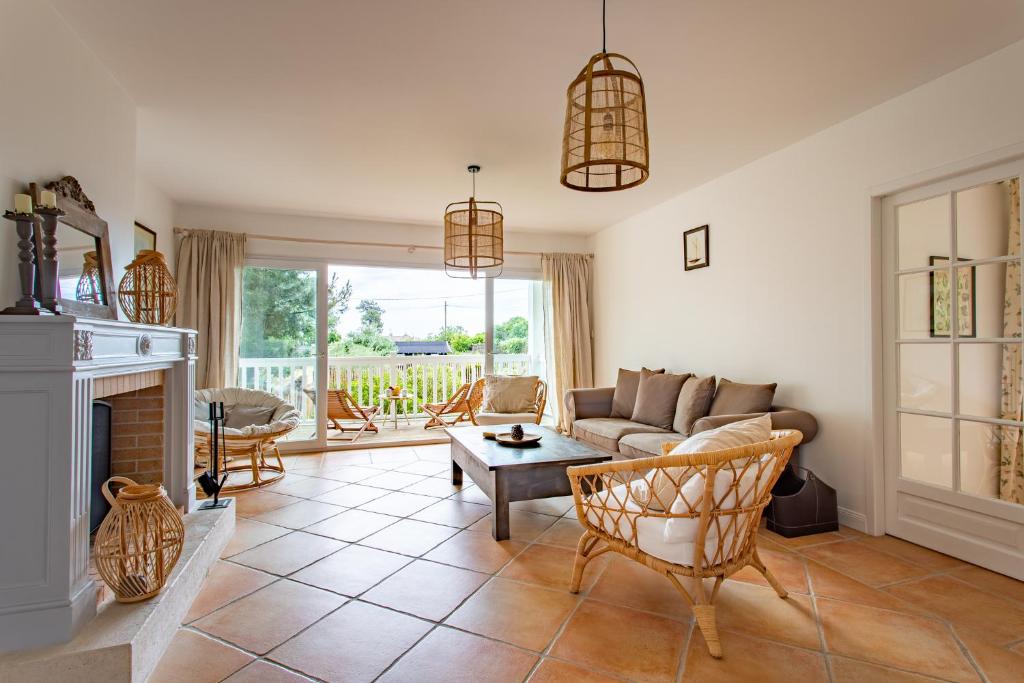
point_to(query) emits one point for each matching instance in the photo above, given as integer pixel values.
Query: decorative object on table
(25, 220)
(145, 239)
(139, 541)
(253, 422)
(802, 506)
(148, 292)
(392, 398)
(77, 229)
(695, 248)
(473, 236)
(489, 435)
(524, 441)
(605, 145)
(210, 481)
(47, 266)
(517, 432)
(941, 297)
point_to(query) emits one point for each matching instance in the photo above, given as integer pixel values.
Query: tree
(458, 339)
(372, 315)
(369, 339)
(338, 296)
(512, 336)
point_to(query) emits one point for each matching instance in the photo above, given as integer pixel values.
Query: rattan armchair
(694, 516)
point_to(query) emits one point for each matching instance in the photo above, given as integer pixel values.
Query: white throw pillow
(691, 496)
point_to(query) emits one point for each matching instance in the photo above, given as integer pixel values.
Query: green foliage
(369, 339)
(371, 315)
(279, 311)
(512, 335)
(458, 339)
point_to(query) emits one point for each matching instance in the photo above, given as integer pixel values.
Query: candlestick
(26, 305)
(22, 203)
(48, 267)
(48, 199)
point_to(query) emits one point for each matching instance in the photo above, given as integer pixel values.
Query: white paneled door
(954, 468)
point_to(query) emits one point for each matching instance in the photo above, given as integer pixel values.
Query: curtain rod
(353, 243)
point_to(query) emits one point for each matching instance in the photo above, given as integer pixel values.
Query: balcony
(426, 379)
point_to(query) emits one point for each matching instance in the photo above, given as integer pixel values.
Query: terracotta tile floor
(369, 565)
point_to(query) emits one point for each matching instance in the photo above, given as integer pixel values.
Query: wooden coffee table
(507, 474)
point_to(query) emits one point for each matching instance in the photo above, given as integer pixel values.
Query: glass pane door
(278, 347)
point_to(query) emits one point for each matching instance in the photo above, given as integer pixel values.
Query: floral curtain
(1011, 456)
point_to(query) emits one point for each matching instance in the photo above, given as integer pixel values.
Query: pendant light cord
(604, 27)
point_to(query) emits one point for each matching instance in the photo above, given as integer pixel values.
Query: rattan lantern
(139, 541)
(90, 284)
(148, 292)
(604, 145)
(473, 237)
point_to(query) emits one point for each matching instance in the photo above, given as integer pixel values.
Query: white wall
(786, 297)
(63, 114)
(323, 228)
(155, 210)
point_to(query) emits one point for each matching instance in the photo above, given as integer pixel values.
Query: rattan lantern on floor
(139, 541)
(605, 145)
(473, 237)
(148, 293)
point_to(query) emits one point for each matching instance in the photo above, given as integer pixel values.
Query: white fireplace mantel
(47, 369)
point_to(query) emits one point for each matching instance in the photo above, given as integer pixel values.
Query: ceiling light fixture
(605, 146)
(473, 236)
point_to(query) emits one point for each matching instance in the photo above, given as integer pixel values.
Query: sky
(413, 299)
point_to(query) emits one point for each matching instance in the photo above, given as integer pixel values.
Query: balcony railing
(426, 379)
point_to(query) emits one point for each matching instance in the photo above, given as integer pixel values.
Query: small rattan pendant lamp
(605, 146)
(473, 237)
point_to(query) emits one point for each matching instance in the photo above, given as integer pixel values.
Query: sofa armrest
(782, 418)
(583, 403)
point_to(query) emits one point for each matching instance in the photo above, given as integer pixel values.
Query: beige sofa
(590, 411)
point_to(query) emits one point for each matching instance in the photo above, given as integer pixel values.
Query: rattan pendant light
(605, 146)
(473, 237)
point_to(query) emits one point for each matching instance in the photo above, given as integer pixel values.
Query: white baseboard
(853, 519)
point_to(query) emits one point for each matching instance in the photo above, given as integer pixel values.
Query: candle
(22, 203)
(48, 199)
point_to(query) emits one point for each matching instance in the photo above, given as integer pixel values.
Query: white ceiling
(373, 108)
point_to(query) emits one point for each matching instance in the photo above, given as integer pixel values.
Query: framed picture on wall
(695, 248)
(941, 313)
(144, 238)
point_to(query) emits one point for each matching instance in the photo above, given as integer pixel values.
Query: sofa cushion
(656, 398)
(508, 394)
(505, 418)
(624, 398)
(733, 398)
(646, 445)
(694, 402)
(605, 432)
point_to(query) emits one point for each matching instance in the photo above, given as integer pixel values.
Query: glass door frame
(978, 519)
(320, 406)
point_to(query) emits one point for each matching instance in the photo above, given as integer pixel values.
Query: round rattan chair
(246, 448)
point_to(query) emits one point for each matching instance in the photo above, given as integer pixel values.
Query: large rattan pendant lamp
(473, 237)
(605, 146)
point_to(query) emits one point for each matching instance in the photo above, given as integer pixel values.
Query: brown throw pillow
(656, 399)
(694, 403)
(733, 398)
(624, 398)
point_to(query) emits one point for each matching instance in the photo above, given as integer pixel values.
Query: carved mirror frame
(80, 214)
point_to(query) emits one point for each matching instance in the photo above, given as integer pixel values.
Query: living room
(800, 268)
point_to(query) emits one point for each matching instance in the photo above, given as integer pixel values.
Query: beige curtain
(570, 280)
(209, 285)
(1011, 456)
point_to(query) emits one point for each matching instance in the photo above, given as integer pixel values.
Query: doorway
(952, 367)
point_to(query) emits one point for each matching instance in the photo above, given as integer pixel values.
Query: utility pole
(446, 316)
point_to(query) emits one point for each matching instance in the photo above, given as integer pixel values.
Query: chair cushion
(656, 398)
(624, 398)
(241, 416)
(505, 418)
(693, 403)
(733, 398)
(690, 499)
(646, 445)
(605, 432)
(505, 394)
(283, 418)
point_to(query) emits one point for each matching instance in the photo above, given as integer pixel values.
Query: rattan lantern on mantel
(473, 237)
(148, 293)
(605, 145)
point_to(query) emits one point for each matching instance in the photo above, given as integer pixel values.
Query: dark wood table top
(553, 448)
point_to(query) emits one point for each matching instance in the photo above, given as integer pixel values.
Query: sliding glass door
(280, 345)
